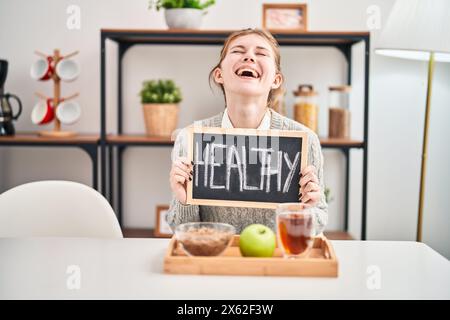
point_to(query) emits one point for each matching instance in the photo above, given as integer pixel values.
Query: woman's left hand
(309, 186)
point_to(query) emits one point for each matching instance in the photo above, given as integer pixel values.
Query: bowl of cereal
(204, 238)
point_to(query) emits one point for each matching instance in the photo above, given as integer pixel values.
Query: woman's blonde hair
(276, 50)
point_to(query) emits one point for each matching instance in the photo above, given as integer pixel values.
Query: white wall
(2, 163)
(397, 96)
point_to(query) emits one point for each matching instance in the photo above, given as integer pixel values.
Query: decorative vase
(184, 18)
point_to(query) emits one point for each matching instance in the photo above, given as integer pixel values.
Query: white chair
(56, 209)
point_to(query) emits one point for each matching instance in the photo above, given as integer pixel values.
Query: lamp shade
(415, 28)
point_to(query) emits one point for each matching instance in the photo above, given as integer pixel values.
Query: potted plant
(328, 197)
(182, 14)
(160, 100)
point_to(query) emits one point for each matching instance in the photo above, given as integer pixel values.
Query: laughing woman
(249, 75)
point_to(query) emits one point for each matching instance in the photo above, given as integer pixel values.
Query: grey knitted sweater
(241, 217)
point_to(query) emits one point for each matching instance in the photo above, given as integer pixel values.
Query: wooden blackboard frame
(249, 132)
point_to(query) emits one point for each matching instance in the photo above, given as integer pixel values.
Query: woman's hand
(309, 186)
(180, 173)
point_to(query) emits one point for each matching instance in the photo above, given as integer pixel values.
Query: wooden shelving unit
(126, 38)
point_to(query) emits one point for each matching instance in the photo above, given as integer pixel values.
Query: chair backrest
(56, 209)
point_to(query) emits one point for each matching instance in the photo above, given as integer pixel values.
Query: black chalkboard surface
(245, 167)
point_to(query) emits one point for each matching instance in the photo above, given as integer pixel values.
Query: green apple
(257, 240)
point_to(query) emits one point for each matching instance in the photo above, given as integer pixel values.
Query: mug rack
(57, 99)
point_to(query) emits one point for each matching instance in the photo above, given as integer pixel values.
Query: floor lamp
(419, 30)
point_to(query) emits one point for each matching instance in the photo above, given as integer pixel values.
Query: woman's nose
(248, 59)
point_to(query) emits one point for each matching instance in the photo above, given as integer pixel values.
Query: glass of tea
(295, 229)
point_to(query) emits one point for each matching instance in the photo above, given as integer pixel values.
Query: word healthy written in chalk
(236, 165)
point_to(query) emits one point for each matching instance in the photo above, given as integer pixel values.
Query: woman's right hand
(180, 173)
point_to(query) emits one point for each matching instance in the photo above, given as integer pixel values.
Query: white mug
(43, 112)
(68, 112)
(42, 69)
(67, 70)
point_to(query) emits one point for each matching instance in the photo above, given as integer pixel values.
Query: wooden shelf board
(224, 31)
(32, 137)
(137, 233)
(218, 36)
(326, 142)
(338, 235)
(143, 139)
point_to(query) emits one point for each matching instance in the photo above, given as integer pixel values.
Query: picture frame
(288, 17)
(162, 228)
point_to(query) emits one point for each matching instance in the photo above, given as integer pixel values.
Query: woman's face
(248, 67)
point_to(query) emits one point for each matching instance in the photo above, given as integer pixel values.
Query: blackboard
(245, 167)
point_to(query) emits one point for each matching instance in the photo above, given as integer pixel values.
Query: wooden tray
(321, 262)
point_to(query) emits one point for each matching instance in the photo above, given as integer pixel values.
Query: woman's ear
(277, 81)
(218, 75)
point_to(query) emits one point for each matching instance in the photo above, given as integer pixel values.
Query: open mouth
(247, 73)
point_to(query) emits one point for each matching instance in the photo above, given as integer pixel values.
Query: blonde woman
(249, 76)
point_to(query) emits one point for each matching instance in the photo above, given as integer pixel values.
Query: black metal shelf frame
(90, 148)
(126, 39)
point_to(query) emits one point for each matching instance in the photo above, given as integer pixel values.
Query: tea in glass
(295, 229)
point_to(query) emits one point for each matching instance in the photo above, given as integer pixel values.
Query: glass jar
(278, 103)
(306, 110)
(339, 113)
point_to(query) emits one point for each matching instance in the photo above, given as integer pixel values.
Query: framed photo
(284, 17)
(162, 228)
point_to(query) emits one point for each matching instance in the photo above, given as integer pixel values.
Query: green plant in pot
(160, 100)
(182, 14)
(328, 197)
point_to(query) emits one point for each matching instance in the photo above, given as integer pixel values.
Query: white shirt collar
(264, 125)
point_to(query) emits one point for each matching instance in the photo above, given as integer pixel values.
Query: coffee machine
(6, 113)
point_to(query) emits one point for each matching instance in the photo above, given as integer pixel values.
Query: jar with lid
(339, 113)
(306, 110)
(278, 104)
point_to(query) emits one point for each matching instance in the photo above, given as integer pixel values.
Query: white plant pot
(184, 18)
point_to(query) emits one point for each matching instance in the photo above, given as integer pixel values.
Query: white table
(133, 269)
